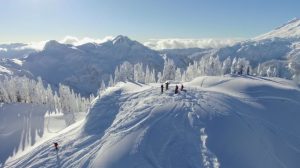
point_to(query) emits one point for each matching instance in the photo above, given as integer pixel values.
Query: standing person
(162, 88)
(176, 89)
(181, 88)
(167, 85)
(241, 70)
(55, 145)
(248, 71)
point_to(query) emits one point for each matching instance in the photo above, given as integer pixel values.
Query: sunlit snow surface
(229, 122)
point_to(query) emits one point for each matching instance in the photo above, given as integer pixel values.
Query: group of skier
(167, 88)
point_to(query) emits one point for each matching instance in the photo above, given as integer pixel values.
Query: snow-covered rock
(231, 121)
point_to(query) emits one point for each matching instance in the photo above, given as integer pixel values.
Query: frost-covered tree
(139, 74)
(183, 77)
(233, 68)
(117, 75)
(275, 72)
(169, 70)
(206, 66)
(159, 77)
(213, 66)
(295, 68)
(4, 97)
(65, 95)
(49, 97)
(126, 71)
(24, 90)
(147, 75)
(56, 102)
(189, 73)
(178, 76)
(111, 81)
(102, 88)
(152, 77)
(242, 66)
(226, 66)
(40, 91)
(269, 72)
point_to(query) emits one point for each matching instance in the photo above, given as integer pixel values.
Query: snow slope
(231, 122)
(290, 30)
(24, 126)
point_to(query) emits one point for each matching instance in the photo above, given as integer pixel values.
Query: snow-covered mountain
(231, 122)
(15, 50)
(277, 48)
(83, 67)
(228, 121)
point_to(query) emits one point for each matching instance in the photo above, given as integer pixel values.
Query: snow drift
(226, 122)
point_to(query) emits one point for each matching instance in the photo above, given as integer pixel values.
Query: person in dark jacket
(167, 85)
(55, 145)
(162, 88)
(248, 71)
(176, 89)
(181, 88)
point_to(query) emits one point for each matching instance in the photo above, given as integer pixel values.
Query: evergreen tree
(178, 75)
(226, 66)
(169, 70)
(111, 81)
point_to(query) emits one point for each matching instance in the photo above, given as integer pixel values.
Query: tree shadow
(20, 124)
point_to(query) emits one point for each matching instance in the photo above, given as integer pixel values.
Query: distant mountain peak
(52, 44)
(290, 30)
(121, 39)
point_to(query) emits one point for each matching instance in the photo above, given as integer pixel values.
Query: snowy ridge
(218, 120)
(288, 30)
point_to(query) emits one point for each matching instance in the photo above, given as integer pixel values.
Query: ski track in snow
(209, 159)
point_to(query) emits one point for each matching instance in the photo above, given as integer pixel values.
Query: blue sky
(35, 20)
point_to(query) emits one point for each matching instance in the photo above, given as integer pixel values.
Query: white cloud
(3, 49)
(33, 45)
(177, 43)
(156, 44)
